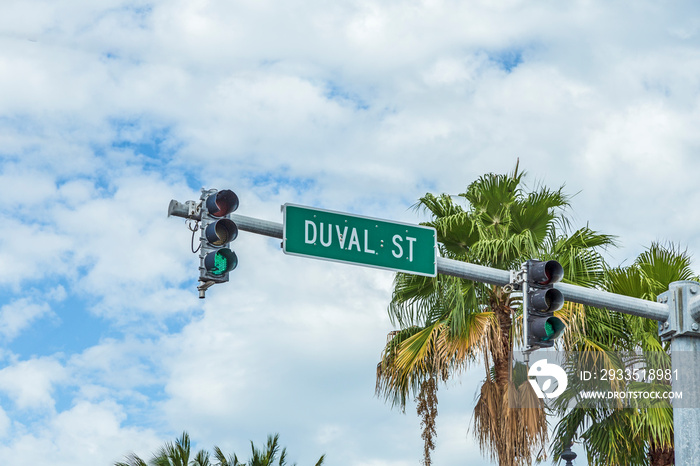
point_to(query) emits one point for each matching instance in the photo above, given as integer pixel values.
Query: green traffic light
(220, 262)
(553, 328)
(548, 329)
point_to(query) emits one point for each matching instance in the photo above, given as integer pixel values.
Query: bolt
(695, 327)
(693, 289)
(666, 324)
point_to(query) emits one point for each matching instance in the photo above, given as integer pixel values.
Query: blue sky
(110, 108)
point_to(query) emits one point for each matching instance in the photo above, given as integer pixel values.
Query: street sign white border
(412, 225)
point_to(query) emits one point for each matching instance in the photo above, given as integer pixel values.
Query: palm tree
(447, 323)
(171, 454)
(178, 454)
(635, 435)
(261, 457)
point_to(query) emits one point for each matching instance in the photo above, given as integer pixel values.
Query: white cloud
(121, 365)
(5, 423)
(29, 251)
(31, 383)
(329, 432)
(18, 315)
(88, 433)
(14, 183)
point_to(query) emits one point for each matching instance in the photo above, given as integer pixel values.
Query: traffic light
(540, 300)
(216, 260)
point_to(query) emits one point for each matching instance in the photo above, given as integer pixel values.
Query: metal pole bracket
(683, 301)
(190, 210)
(517, 278)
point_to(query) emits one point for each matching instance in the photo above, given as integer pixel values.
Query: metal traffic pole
(678, 314)
(683, 329)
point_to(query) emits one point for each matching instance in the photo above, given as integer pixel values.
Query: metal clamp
(517, 278)
(204, 287)
(683, 300)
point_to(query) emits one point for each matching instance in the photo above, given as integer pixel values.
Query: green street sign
(340, 237)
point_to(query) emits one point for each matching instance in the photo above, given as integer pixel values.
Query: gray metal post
(683, 329)
(260, 227)
(573, 293)
(685, 352)
(525, 287)
(614, 302)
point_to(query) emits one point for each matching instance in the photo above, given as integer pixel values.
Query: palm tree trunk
(659, 456)
(502, 363)
(427, 410)
(502, 358)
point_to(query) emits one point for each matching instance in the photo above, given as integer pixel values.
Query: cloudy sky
(111, 108)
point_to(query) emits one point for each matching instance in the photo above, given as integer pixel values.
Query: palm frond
(132, 460)
(439, 206)
(201, 459)
(510, 423)
(413, 355)
(222, 460)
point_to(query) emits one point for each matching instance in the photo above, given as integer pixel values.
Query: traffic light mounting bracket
(204, 287)
(684, 305)
(518, 282)
(517, 278)
(191, 210)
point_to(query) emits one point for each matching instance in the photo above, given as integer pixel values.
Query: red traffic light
(545, 272)
(222, 203)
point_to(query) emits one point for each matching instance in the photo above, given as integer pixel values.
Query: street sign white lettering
(398, 253)
(311, 234)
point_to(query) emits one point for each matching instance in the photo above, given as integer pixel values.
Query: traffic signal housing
(540, 300)
(216, 260)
